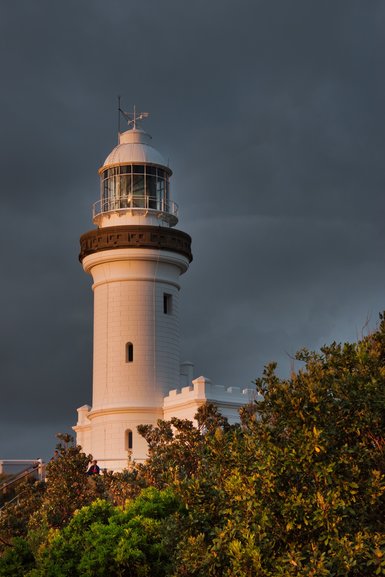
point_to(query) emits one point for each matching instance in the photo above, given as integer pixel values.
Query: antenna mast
(131, 117)
(118, 117)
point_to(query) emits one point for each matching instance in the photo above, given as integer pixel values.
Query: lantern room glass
(135, 186)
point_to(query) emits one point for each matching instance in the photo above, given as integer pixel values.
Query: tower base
(111, 436)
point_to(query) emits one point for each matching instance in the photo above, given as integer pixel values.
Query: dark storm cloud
(271, 114)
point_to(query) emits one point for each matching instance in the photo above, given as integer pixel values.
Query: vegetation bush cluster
(296, 489)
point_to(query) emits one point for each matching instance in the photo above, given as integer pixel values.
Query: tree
(68, 487)
(299, 488)
(120, 487)
(174, 449)
(101, 539)
(16, 560)
(15, 514)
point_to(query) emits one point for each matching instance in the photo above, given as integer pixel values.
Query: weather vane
(131, 117)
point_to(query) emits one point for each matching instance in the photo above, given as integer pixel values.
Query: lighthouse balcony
(138, 205)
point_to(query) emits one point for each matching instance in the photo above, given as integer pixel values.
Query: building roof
(134, 147)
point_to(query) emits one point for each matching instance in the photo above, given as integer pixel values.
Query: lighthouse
(135, 257)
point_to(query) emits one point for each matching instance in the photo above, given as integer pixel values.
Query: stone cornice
(123, 410)
(135, 236)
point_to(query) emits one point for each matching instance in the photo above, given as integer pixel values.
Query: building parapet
(202, 389)
(83, 413)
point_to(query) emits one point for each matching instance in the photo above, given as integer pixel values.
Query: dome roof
(134, 147)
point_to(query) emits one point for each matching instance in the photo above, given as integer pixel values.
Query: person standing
(94, 469)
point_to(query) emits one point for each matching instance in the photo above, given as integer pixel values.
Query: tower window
(128, 440)
(167, 304)
(129, 353)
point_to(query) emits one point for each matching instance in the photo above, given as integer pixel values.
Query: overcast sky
(271, 114)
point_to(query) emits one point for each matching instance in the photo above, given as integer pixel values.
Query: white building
(136, 257)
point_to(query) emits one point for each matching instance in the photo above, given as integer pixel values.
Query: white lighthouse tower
(135, 258)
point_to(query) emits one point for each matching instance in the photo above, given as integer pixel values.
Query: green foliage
(68, 487)
(105, 540)
(300, 488)
(15, 515)
(176, 448)
(17, 559)
(122, 486)
(297, 489)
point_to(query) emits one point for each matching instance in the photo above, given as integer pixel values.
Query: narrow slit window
(128, 440)
(129, 353)
(167, 304)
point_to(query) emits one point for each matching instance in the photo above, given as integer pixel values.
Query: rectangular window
(129, 353)
(138, 190)
(151, 190)
(160, 194)
(167, 304)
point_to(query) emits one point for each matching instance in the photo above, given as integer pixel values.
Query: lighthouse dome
(135, 185)
(135, 148)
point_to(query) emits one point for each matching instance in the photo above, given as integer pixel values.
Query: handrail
(7, 503)
(135, 202)
(19, 476)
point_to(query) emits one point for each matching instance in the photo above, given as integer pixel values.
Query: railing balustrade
(136, 203)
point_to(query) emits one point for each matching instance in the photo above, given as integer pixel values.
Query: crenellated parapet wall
(184, 402)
